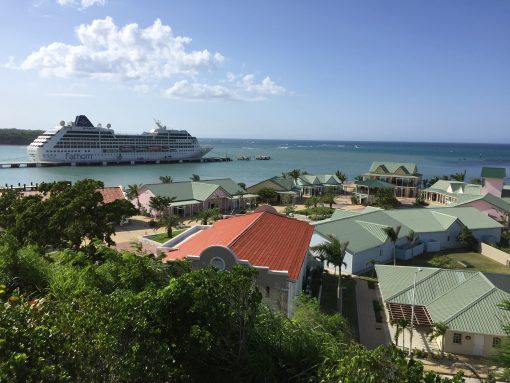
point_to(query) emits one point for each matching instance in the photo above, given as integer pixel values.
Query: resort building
(191, 197)
(112, 193)
(434, 230)
(485, 197)
(306, 185)
(366, 190)
(466, 301)
(404, 176)
(275, 245)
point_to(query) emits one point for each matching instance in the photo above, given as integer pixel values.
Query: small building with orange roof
(276, 245)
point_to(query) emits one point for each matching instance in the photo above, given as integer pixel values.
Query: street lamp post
(412, 310)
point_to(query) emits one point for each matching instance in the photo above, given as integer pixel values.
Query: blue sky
(340, 70)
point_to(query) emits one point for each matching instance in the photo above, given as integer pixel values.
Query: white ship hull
(81, 142)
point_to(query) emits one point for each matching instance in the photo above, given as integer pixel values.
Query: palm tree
(328, 198)
(412, 238)
(159, 204)
(294, 174)
(166, 179)
(341, 176)
(392, 234)
(208, 214)
(403, 324)
(195, 177)
(133, 192)
(459, 176)
(439, 331)
(334, 252)
(168, 221)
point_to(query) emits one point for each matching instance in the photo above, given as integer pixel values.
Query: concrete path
(371, 333)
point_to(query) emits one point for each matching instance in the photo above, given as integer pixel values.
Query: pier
(28, 164)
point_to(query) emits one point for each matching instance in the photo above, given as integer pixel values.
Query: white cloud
(240, 88)
(144, 58)
(196, 91)
(81, 4)
(110, 53)
(265, 87)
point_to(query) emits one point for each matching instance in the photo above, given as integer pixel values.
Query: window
(457, 338)
(218, 263)
(496, 341)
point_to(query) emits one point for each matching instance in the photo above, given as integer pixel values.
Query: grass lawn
(476, 261)
(162, 237)
(328, 299)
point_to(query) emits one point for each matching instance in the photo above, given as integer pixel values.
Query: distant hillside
(18, 136)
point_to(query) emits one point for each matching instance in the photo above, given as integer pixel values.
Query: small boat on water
(243, 158)
(261, 157)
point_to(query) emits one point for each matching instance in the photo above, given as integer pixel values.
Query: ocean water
(353, 158)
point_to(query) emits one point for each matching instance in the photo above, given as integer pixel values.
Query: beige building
(273, 244)
(466, 301)
(403, 176)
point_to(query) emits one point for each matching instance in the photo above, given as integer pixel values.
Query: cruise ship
(81, 141)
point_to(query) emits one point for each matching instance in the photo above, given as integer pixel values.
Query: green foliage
(18, 136)
(385, 198)
(267, 195)
(133, 193)
(160, 204)
(439, 331)
(195, 178)
(459, 176)
(66, 217)
(384, 364)
(354, 199)
(329, 199)
(502, 355)
(467, 238)
(295, 174)
(166, 179)
(120, 317)
(206, 215)
(441, 261)
(341, 176)
(168, 221)
(312, 201)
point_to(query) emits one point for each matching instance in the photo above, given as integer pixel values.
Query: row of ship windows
(58, 146)
(88, 151)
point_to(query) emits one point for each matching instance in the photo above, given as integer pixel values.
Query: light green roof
(189, 190)
(500, 203)
(464, 300)
(489, 172)
(341, 213)
(229, 185)
(364, 230)
(406, 168)
(310, 179)
(285, 184)
(457, 188)
(328, 179)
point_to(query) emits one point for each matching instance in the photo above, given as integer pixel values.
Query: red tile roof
(111, 194)
(263, 239)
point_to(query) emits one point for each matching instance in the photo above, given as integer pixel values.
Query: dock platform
(28, 164)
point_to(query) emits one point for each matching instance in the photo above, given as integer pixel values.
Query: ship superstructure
(81, 141)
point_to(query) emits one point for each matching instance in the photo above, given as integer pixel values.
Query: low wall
(495, 254)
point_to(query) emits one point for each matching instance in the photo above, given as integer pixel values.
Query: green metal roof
(464, 300)
(457, 188)
(340, 213)
(500, 203)
(285, 183)
(328, 179)
(405, 168)
(229, 185)
(190, 190)
(489, 172)
(364, 230)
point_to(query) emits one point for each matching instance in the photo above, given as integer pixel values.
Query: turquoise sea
(353, 158)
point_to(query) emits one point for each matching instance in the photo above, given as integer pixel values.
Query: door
(478, 344)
